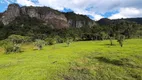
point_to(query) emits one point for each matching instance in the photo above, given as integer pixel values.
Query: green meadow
(83, 60)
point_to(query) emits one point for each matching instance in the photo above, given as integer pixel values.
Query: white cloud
(127, 13)
(25, 2)
(96, 7)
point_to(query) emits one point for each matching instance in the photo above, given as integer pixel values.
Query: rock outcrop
(12, 12)
(75, 20)
(49, 16)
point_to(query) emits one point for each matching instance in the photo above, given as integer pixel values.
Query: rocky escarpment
(12, 12)
(47, 15)
(75, 20)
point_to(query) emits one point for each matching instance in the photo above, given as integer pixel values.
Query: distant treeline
(35, 29)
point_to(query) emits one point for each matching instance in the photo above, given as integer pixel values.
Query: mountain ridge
(48, 15)
(106, 21)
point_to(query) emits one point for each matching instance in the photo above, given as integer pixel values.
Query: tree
(120, 39)
(110, 39)
(103, 35)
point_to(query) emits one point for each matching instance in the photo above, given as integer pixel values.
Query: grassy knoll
(86, 60)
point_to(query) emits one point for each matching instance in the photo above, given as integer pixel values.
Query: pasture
(84, 60)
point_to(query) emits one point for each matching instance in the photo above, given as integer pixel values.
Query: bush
(13, 43)
(68, 41)
(39, 43)
(59, 39)
(50, 41)
(17, 48)
(16, 39)
(9, 47)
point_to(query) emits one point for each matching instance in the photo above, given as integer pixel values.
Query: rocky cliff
(12, 12)
(76, 20)
(47, 15)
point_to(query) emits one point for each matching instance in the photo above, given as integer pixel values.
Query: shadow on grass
(121, 62)
(109, 44)
(79, 73)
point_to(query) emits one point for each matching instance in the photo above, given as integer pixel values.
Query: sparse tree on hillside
(111, 42)
(120, 39)
(103, 35)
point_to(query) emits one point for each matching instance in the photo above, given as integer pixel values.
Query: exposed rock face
(78, 21)
(55, 18)
(49, 16)
(12, 12)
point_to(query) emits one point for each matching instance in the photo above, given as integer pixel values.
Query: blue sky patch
(67, 10)
(108, 14)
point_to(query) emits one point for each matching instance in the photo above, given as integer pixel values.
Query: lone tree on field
(120, 39)
(110, 38)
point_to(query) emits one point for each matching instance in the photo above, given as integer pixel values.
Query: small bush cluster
(13, 43)
(39, 43)
(9, 47)
(50, 41)
(68, 41)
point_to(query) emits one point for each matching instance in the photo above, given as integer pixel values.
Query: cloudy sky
(95, 9)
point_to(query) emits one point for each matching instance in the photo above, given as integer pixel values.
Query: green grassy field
(86, 60)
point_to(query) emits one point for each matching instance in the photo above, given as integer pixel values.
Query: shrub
(17, 48)
(9, 47)
(39, 43)
(13, 43)
(59, 39)
(50, 41)
(68, 41)
(16, 39)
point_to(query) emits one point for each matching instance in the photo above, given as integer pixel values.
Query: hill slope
(105, 21)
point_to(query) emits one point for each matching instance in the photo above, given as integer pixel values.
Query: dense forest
(35, 29)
